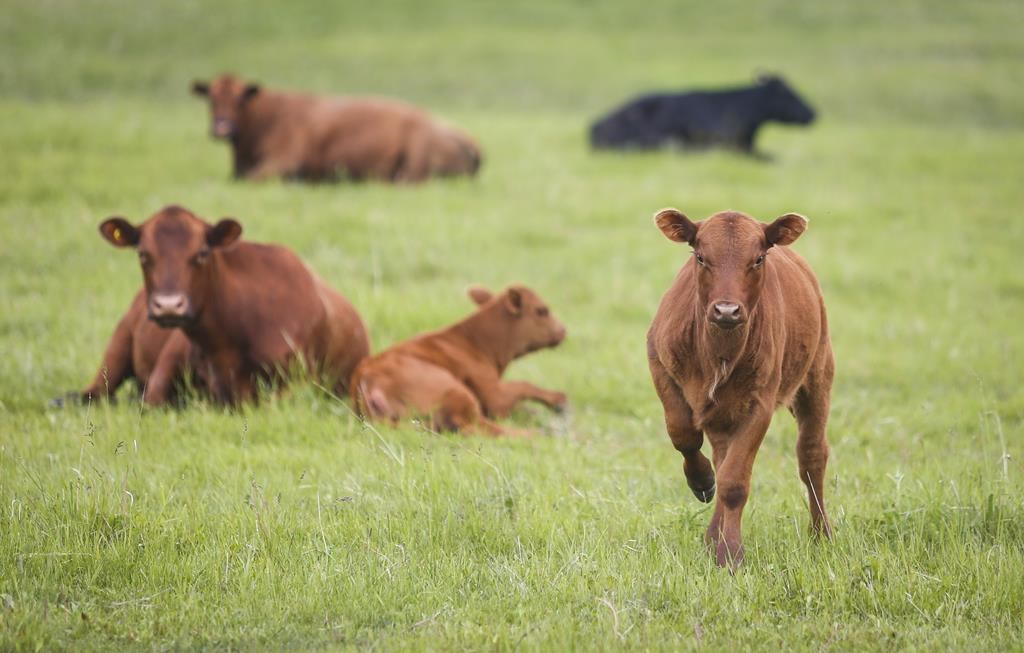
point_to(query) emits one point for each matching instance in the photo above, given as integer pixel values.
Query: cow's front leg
(508, 394)
(264, 170)
(685, 436)
(497, 398)
(734, 461)
(168, 370)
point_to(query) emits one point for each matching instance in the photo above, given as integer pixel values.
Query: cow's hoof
(705, 495)
(729, 556)
(560, 402)
(66, 399)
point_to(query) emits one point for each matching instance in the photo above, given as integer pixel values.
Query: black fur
(701, 119)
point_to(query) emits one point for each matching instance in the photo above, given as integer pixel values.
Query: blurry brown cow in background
(303, 136)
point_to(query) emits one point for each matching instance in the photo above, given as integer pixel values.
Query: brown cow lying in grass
(741, 332)
(454, 375)
(301, 136)
(246, 311)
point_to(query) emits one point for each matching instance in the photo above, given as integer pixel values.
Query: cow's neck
(254, 121)
(719, 345)
(488, 335)
(209, 331)
(762, 113)
(218, 346)
(205, 335)
(723, 351)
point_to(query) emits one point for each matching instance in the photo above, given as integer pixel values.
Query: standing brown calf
(139, 350)
(454, 374)
(741, 332)
(247, 309)
(300, 136)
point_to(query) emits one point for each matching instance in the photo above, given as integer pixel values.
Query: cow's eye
(200, 258)
(700, 259)
(542, 311)
(758, 261)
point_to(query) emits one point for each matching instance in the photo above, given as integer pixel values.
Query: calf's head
(176, 252)
(524, 319)
(783, 103)
(730, 250)
(228, 97)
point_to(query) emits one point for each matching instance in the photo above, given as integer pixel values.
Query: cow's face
(176, 251)
(626, 126)
(784, 104)
(529, 322)
(609, 131)
(729, 252)
(227, 96)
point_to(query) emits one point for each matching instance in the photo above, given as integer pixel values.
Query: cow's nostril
(727, 309)
(164, 305)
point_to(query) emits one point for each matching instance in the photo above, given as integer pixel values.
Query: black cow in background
(701, 119)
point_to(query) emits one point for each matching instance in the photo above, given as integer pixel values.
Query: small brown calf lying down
(454, 375)
(302, 136)
(232, 311)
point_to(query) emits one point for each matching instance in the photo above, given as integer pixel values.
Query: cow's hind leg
(414, 166)
(460, 411)
(810, 407)
(686, 438)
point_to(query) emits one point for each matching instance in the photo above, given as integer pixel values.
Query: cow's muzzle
(558, 336)
(170, 309)
(726, 315)
(222, 128)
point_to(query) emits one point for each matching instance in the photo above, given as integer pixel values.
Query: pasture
(292, 525)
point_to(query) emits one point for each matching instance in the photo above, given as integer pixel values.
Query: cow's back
(277, 126)
(341, 341)
(365, 137)
(269, 299)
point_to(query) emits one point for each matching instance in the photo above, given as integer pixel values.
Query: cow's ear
(223, 233)
(514, 301)
(479, 295)
(250, 91)
(785, 230)
(200, 88)
(676, 226)
(119, 232)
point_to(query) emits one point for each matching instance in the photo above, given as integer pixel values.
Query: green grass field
(291, 525)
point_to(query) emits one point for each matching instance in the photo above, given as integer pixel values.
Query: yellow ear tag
(117, 234)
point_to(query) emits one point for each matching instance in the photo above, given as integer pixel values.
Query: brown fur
(247, 309)
(139, 350)
(733, 340)
(302, 136)
(454, 374)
